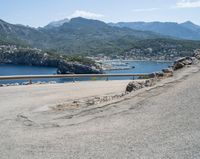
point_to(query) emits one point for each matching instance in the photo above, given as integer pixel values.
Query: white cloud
(145, 9)
(86, 14)
(188, 4)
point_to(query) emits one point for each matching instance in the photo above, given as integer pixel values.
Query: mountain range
(78, 36)
(186, 30)
(86, 36)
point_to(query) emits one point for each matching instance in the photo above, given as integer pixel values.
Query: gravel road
(158, 122)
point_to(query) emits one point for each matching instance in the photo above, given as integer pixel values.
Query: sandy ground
(157, 122)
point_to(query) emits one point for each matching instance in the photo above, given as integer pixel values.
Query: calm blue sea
(140, 67)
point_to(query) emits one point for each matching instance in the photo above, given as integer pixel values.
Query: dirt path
(157, 122)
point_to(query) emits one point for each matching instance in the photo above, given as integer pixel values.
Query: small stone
(52, 82)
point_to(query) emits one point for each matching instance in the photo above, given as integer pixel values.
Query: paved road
(160, 122)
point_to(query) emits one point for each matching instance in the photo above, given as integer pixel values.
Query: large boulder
(133, 86)
(138, 84)
(178, 65)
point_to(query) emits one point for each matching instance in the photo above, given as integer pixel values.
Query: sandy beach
(60, 121)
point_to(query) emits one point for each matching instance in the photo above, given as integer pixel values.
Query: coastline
(144, 67)
(116, 60)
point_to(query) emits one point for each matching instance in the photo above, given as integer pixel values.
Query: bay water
(138, 67)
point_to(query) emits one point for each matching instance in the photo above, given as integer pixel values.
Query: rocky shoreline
(11, 54)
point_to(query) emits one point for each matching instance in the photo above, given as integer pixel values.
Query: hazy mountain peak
(57, 23)
(188, 22)
(190, 25)
(81, 19)
(3, 22)
(78, 19)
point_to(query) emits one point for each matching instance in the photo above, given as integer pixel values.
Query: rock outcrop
(65, 67)
(197, 54)
(186, 61)
(180, 63)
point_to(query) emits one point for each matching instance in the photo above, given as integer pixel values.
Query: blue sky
(40, 12)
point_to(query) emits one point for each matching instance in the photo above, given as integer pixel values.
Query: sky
(37, 13)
